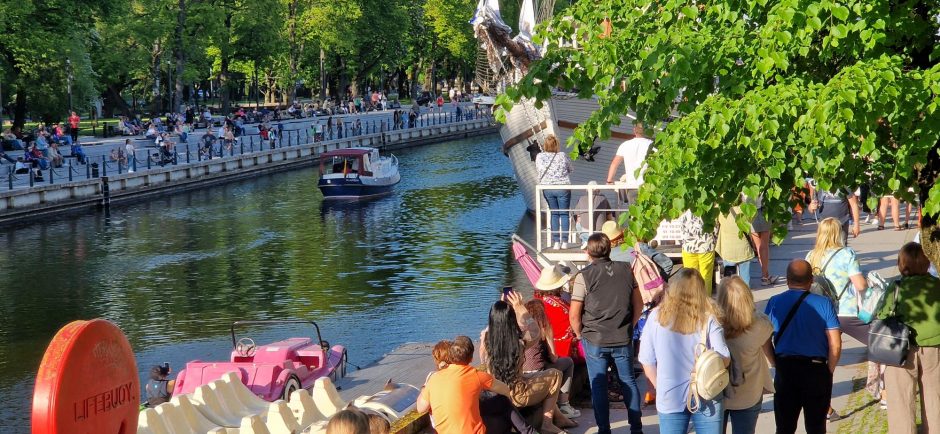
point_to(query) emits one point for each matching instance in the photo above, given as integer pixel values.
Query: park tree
(761, 93)
(42, 43)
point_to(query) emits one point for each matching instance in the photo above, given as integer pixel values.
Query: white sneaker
(569, 411)
(564, 246)
(874, 222)
(556, 246)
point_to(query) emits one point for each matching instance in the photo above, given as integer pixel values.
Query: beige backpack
(709, 374)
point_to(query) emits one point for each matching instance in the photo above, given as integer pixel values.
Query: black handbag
(889, 339)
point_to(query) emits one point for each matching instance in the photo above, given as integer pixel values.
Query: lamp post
(1, 100)
(68, 66)
(322, 77)
(169, 92)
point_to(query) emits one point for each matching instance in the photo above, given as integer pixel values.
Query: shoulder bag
(889, 339)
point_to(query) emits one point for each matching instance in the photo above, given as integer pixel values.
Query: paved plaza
(877, 251)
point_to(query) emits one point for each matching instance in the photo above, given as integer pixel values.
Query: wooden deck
(409, 363)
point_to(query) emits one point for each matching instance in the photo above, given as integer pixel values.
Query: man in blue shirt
(807, 346)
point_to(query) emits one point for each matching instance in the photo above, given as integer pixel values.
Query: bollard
(135, 161)
(187, 154)
(50, 175)
(70, 173)
(241, 147)
(251, 143)
(175, 157)
(104, 163)
(119, 167)
(10, 177)
(31, 177)
(149, 159)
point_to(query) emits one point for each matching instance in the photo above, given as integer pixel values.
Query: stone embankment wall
(39, 201)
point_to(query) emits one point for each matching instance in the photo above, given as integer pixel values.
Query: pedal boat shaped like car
(357, 173)
(271, 371)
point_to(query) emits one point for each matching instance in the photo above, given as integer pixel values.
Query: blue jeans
(597, 360)
(742, 421)
(708, 420)
(744, 269)
(559, 199)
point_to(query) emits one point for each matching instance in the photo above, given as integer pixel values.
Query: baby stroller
(163, 156)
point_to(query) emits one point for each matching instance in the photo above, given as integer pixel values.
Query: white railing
(668, 232)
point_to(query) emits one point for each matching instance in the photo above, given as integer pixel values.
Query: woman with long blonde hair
(831, 257)
(747, 333)
(670, 337)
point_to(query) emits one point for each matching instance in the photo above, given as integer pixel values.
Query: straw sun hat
(612, 230)
(552, 278)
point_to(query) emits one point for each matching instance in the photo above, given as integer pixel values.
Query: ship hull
(525, 125)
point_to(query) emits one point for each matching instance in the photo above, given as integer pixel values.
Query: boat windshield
(340, 165)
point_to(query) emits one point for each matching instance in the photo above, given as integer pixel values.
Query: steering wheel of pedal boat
(245, 347)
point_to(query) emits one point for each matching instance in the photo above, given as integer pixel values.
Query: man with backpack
(605, 305)
(807, 346)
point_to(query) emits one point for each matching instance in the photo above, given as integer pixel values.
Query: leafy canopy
(766, 92)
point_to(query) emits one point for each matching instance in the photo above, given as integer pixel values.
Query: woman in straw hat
(554, 351)
(550, 288)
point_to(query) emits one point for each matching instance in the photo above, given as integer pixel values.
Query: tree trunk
(293, 53)
(929, 229)
(19, 110)
(180, 54)
(155, 71)
(223, 68)
(113, 100)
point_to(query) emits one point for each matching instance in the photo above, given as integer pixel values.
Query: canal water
(420, 265)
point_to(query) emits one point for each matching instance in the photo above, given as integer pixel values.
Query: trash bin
(94, 170)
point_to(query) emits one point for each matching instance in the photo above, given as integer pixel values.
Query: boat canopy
(349, 152)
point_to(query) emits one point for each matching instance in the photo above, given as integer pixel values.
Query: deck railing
(667, 232)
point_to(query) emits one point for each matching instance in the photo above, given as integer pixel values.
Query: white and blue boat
(357, 173)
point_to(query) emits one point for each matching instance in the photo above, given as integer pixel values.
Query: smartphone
(506, 291)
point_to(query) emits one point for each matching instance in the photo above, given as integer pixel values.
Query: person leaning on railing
(554, 168)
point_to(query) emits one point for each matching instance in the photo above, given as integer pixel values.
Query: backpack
(824, 287)
(648, 278)
(709, 374)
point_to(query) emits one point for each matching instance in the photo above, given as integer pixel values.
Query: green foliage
(766, 92)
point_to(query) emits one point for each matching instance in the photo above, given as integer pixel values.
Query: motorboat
(272, 371)
(356, 173)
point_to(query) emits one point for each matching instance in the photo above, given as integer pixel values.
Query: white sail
(526, 21)
(488, 9)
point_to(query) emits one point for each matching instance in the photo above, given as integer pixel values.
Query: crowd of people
(597, 319)
(799, 334)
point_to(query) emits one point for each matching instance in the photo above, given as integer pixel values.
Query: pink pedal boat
(271, 371)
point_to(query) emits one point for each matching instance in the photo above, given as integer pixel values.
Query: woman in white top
(747, 334)
(553, 168)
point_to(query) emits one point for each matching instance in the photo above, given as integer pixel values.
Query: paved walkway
(877, 251)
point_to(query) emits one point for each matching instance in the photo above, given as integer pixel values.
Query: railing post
(70, 173)
(119, 166)
(31, 180)
(10, 177)
(50, 175)
(104, 165)
(149, 159)
(241, 147)
(175, 157)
